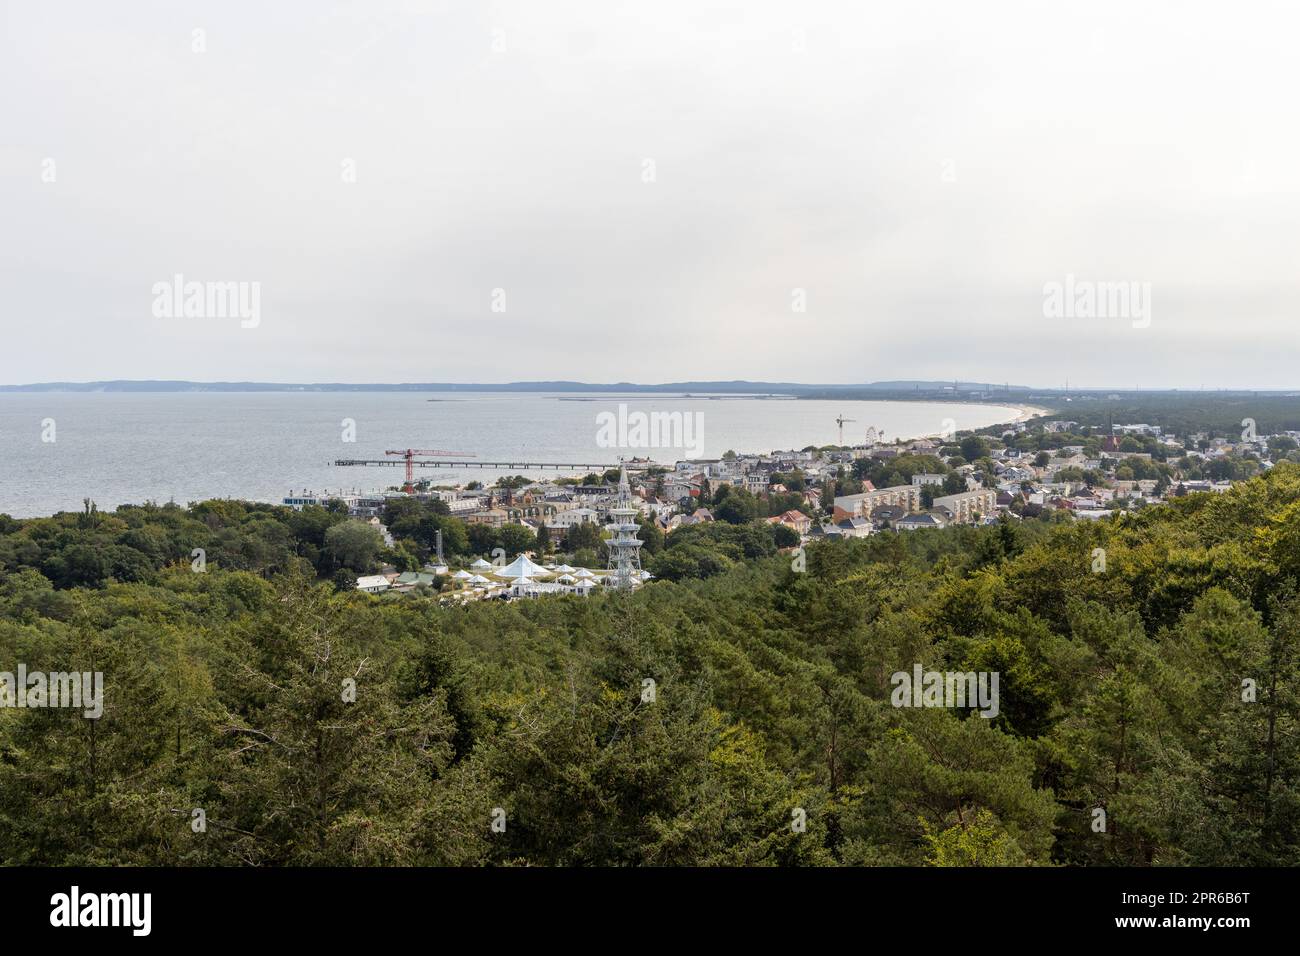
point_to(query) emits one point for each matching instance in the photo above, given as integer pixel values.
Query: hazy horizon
(966, 383)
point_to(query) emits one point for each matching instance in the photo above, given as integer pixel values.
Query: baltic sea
(128, 448)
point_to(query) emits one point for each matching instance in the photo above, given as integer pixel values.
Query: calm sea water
(118, 448)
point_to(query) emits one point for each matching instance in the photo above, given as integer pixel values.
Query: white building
(861, 505)
(965, 506)
(574, 516)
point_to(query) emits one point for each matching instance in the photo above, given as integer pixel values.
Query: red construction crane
(410, 453)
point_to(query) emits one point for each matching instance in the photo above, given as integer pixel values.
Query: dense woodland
(1216, 414)
(1121, 690)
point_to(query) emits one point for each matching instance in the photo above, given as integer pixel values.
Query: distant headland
(723, 387)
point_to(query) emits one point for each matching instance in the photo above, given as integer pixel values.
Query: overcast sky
(650, 183)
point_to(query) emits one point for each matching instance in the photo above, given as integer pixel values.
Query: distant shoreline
(894, 390)
(714, 387)
(1027, 412)
(1024, 413)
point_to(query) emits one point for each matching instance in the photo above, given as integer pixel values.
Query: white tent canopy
(521, 567)
(462, 575)
(480, 564)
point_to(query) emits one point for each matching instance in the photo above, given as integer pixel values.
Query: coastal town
(1054, 468)
(448, 445)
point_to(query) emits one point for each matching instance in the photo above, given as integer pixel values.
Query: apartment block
(965, 506)
(860, 506)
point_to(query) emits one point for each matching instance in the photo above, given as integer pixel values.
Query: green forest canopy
(225, 693)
